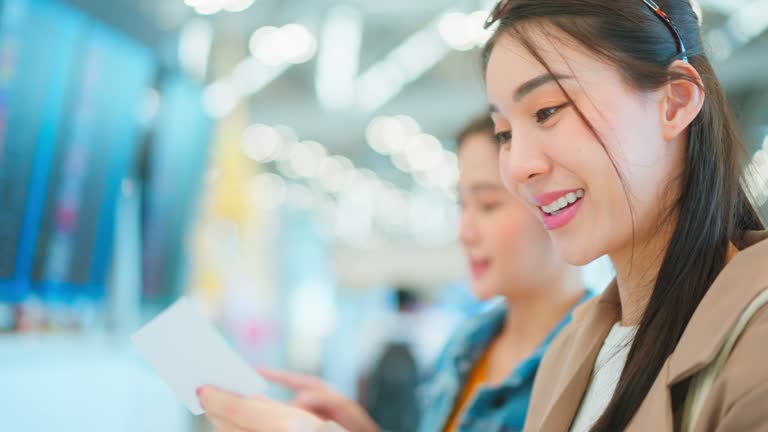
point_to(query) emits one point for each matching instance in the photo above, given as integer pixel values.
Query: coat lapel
(739, 282)
(734, 288)
(655, 413)
(577, 368)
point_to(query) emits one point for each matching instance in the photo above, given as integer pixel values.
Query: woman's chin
(483, 290)
(577, 253)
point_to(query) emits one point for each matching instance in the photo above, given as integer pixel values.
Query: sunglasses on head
(501, 8)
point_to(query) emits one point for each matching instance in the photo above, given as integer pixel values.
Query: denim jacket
(492, 409)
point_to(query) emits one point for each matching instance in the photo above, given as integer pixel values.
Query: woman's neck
(637, 268)
(529, 320)
(636, 275)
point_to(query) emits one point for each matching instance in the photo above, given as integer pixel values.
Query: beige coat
(738, 400)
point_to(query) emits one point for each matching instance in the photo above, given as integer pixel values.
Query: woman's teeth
(563, 202)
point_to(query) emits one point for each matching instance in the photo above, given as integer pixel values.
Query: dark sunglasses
(501, 8)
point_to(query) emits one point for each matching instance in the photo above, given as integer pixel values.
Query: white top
(605, 376)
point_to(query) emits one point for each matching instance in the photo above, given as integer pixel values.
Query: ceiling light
(261, 143)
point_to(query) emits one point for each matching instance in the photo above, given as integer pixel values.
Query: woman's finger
(255, 414)
(319, 402)
(223, 426)
(291, 380)
(229, 429)
(229, 409)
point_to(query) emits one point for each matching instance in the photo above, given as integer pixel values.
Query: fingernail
(198, 391)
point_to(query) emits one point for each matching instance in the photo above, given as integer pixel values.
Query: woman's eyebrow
(529, 86)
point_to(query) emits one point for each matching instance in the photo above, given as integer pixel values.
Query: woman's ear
(682, 100)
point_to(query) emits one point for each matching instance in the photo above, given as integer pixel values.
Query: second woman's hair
(480, 125)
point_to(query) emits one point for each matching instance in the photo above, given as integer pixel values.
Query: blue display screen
(69, 121)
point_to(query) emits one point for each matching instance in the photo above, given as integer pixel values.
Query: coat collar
(745, 276)
(594, 319)
(739, 282)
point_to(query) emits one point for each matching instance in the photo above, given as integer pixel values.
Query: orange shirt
(477, 378)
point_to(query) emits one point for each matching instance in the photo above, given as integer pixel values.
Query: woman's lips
(479, 267)
(562, 217)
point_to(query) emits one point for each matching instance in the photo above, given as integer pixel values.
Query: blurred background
(289, 164)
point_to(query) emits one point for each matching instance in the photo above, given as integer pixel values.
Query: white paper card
(187, 352)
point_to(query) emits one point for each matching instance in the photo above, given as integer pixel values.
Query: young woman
(615, 130)
(484, 378)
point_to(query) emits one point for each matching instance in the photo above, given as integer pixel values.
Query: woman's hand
(315, 396)
(232, 413)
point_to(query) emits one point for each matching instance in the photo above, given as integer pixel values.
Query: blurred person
(483, 378)
(389, 393)
(616, 132)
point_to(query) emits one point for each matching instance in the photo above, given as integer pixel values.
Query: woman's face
(507, 248)
(551, 159)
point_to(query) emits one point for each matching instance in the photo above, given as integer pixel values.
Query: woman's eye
(489, 207)
(544, 114)
(503, 137)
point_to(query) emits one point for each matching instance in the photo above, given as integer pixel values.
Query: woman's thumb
(313, 402)
(293, 381)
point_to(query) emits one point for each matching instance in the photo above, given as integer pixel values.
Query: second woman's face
(553, 160)
(507, 249)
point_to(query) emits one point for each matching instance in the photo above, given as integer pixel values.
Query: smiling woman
(617, 103)
(484, 377)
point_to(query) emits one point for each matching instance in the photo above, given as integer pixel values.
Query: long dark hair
(711, 208)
